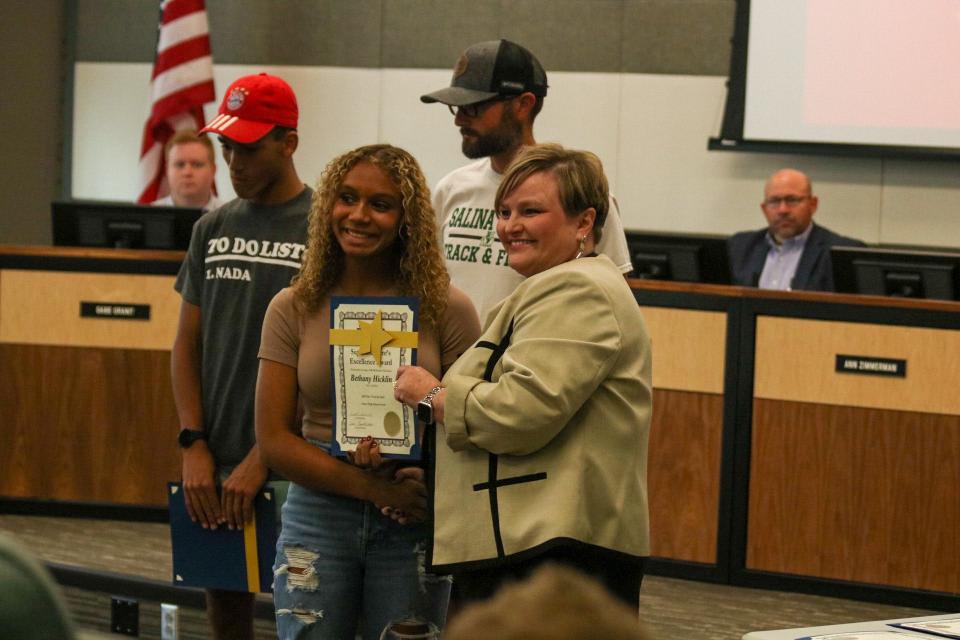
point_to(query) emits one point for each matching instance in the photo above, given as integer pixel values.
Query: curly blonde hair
(420, 273)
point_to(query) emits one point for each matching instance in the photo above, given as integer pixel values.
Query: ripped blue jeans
(342, 568)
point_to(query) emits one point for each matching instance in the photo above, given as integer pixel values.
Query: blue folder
(235, 560)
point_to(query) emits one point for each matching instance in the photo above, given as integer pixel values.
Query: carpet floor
(670, 608)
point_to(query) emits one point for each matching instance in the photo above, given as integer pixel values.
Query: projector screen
(849, 76)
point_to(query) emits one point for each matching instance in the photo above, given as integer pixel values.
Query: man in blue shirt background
(792, 253)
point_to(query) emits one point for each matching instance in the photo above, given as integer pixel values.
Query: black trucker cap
(489, 69)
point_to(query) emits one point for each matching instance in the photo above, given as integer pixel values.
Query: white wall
(650, 131)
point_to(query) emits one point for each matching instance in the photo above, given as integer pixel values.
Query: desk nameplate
(796, 360)
(114, 310)
(870, 366)
(43, 308)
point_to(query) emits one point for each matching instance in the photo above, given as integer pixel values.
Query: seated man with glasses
(497, 90)
(792, 253)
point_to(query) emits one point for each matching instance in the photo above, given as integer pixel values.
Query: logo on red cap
(236, 97)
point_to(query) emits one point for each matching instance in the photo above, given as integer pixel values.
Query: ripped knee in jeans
(299, 569)
(301, 575)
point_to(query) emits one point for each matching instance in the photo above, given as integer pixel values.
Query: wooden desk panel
(683, 475)
(43, 307)
(87, 424)
(688, 348)
(847, 493)
(795, 360)
(88, 412)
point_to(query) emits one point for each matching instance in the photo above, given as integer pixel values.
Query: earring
(583, 240)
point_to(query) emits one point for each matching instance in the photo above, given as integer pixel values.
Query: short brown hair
(580, 179)
(558, 603)
(184, 136)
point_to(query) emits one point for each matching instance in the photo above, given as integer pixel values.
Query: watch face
(425, 412)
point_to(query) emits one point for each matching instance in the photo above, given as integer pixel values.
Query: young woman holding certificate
(343, 568)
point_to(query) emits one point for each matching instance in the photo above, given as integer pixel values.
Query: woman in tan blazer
(541, 427)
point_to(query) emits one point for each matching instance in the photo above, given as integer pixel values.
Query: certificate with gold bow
(369, 339)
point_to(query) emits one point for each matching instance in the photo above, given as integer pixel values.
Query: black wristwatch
(425, 406)
(188, 436)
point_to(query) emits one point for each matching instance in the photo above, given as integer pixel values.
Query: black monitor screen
(687, 257)
(902, 273)
(89, 223)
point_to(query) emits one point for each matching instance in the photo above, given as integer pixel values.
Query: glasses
(475, 109)
(790, 201)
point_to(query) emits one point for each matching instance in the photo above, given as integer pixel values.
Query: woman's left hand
(412, 384)
(367, 454)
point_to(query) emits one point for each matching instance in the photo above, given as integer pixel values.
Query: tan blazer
(546, 424)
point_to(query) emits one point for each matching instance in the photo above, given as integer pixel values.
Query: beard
(507, 136)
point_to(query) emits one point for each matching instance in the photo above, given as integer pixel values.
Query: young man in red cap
(240, 256)
(497, 90)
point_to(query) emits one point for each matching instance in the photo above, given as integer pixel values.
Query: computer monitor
(689, 257)
(898, 272)
(91, 223)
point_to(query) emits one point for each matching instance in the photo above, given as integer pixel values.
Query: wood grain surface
(856, 494)
(683, 475)
(688, 348)
(795, 360)
(43, 307)
(87, 424)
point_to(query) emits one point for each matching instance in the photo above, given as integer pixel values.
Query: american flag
(182, 82)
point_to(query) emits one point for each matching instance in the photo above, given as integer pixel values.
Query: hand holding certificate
(369, 339)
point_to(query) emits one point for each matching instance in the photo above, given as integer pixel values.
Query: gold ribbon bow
(371, 338)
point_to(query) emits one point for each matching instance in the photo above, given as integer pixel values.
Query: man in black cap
(497, 90)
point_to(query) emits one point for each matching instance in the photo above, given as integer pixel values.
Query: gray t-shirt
(240, 256)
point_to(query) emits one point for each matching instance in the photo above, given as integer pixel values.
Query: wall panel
(864, 495)
(45, 309)
(684, 475)
(87, 424)
(796, 360)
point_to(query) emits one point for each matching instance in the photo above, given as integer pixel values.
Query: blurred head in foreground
(555, 603)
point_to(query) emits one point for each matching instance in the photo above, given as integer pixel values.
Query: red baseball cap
(252, 106)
